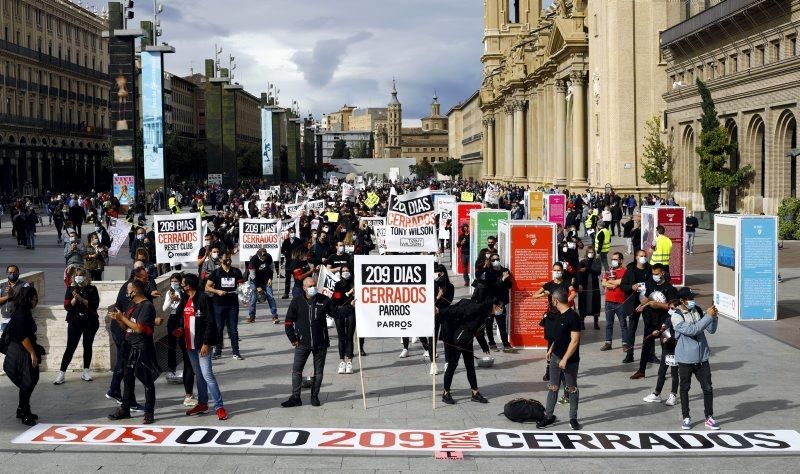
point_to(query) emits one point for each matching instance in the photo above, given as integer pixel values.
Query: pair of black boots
(26, 417)
(295, 401)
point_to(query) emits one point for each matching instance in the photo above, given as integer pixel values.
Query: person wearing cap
(692, 353)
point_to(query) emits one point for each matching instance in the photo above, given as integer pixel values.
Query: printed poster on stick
(326, 280)
(178, 237)
(412, 223)
(255, 234)
(394, 295)
(528, 251)
(118, 232)
(460, 217)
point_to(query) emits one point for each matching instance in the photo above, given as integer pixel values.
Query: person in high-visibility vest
(173, 204)
(201, 207)
(662, 247)
(602, 244)
(590, 224)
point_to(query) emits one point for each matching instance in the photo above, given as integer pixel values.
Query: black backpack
(524, 410)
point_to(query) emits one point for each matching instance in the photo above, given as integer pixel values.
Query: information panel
(483, 223)
(460, 217)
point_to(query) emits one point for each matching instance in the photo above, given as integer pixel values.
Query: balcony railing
(53, 126)
(53, 61)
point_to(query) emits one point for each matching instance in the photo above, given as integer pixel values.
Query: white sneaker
(426, 356)
(87, 376)
(434, 369)
(414, 340)
(671, 400)
(404, 353)
(348, 369)
(59, 378)
(189, 401)
(653, 398)
(341, 368)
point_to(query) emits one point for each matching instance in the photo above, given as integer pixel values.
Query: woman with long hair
(172, 300)
(81, 301)
(96, 257)
(22, 352)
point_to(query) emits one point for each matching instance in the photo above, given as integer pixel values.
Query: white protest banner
(275, 189)
(289, 223)
(373, 221)
(326, 280)
(118, 231)
(178, 237)
(491, 196)
(264, 194)
(394, 174)
(360, 186)
(295, 210)
(348, 192)
(382, 440)
(380, 237)
(314, 224)
(394, 295)
(316, 206)
(444, 216)
(412, 223)
(255, 234)
(333, 181)
(443, 201)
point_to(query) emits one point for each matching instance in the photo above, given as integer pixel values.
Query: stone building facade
(554, 114)
(54, 86)
(747, 53)
(465, 129)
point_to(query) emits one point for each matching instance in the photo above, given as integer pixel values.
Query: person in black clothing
(589, 287)
(496, 283)
(463, 245)
(627, 232)
(23, 354)
(616, 218)
(636, 234)
(691, 226)
(307, 330)
(321, 250)
(564, 357)
(138, 321)
(345, 317)
(58, 220)
(636, 273)
(288, 247)
(222, 285)
(260, 268)
(340, 258)
(655, 301)
(77, 216)
(560, 281)
(444, 291)
(460, 323)
(81, 301)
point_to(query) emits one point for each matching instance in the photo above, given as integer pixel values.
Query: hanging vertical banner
(483, 223)
(412, 223)
(394, 295)
(178, 237)
(255, 234)
(152, 115)
(556, 208)
(460, 218)
(528, 250)
(124, 189)
(267, 161)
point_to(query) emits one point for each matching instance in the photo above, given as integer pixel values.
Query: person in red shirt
(615, 297)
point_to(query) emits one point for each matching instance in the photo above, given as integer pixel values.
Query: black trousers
(76, 330)
(345, 330)
(301, 354)
(287, 280)
(19, 369)
(648, 344)
(172, 361)
(702, 372)
(452, 356)
(139, 365)
(501, 323)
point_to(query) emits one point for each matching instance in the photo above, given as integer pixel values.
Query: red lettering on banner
(103, 435)
(459, 440)
(337, 442)
(177, 238)
(260, 239)
(394, 295)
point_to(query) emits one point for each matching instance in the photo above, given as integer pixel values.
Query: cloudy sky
(325, 53)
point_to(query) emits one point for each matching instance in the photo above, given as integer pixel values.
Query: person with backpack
(460, 323)
(563, 357)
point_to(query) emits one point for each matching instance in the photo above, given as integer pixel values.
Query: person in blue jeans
(260, 268)
(199, 330)
(222, 284)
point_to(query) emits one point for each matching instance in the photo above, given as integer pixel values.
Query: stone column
(560, 170)
(540, 131)
(578, 131)
(519, 140)
(489, 157)
(508, 157)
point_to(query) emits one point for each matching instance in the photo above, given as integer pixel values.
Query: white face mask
(571, 245)
(657, 278)
(311, 291)
(215, 255)
(80, 279)
(564, 249)
(642, 260)
(589, 255)
(340, 249)
(557, 275)
(496, 264)
(175, 286)
(346, 275)
(614, 263)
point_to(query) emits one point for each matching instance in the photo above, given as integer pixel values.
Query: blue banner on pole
(266, 143)
(152, 115)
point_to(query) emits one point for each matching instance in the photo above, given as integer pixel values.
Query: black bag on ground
(524, 410)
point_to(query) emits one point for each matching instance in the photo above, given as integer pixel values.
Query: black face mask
(13, 277)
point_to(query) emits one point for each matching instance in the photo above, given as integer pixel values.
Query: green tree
(248, 159)
(360, 150)
(184, 157)
(657, 163)
(714, 151)
(450, 167)
(423, 170)
(340, 150)
(371, 150)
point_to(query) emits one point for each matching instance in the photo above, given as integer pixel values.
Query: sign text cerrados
(394, 295)
(255, 234)
(178, 237)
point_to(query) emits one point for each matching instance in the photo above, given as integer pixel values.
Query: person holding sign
(307, 330)
(345, 317)
(460, 323)
(221, 285)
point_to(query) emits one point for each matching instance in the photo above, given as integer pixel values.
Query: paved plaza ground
(754, 373)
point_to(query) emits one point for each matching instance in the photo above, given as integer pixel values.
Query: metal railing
(44, 58)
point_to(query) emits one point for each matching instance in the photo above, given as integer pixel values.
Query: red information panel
(531, 265)
(672, 218)
(462, 217)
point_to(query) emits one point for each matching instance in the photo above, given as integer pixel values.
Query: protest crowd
(321, 228)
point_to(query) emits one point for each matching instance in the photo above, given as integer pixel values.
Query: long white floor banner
(479, 439)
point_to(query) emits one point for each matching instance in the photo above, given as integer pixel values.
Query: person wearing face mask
(589, 287)
(221, 284)
(6, 294)
(497, 282)
(172, 301)
(74, 252)
(138, 242)
(211, 263)
(96, 257)
(491, 246)
(549, 321)
(23, 354)
(321, 250)
(692, 353)
(445, 292)
(602, 244)
(260, 269)
(81, 301)
(636, 274)
(288, 247)
(662, 248)
(666, 334)
(463, 245)
(569, 256)
(102, 234)
(615, 297)
(345, 316)
(655, 297)
(307, 330)
(340, 258)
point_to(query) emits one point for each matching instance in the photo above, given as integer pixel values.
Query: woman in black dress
(22, 352)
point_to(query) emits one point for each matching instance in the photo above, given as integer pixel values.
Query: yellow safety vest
(606, 241)
(588, 222)
(202, 208)
(662, 250)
